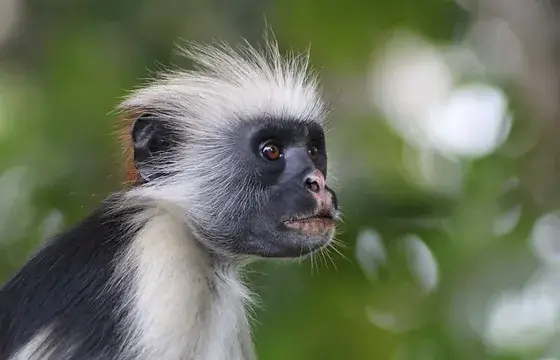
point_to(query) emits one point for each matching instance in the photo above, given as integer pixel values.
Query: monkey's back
(62, 292)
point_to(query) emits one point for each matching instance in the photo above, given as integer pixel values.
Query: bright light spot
(521, 322)
(472, 123)
(421, 262)
(52, 224)
(413, 86)
(507, 221)
(546, 280)
(409, 79)
(545, 238)
(370, 252)
(15, 203)
(387, 321)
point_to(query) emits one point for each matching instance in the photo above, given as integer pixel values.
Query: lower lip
(312, 226)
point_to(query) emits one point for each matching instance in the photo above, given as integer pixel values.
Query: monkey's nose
(315, 182)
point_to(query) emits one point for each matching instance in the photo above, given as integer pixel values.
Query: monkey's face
(258, 188)
(289, 209)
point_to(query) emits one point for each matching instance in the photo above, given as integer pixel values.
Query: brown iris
(271, 151)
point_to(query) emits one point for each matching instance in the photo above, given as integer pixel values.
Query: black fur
(151, 137)
(64, 286)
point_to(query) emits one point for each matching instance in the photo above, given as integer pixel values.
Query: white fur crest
(229, 85)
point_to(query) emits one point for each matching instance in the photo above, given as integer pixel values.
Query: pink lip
(313, 225)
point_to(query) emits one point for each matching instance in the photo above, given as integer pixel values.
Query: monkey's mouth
(313, 225)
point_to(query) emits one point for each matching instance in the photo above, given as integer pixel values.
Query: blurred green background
(443, 143)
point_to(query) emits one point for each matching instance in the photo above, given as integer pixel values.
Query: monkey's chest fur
(148, 292)
(184, 308)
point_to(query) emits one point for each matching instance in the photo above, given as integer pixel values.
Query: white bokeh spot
(421, 262)
(414, 86)
(370, 252)
(519, 322)
(545, 238)
(473, 121)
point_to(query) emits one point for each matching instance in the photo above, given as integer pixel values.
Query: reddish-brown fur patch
(124, 137)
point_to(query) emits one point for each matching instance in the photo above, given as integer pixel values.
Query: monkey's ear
(150, 140)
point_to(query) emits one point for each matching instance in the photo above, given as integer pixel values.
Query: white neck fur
(183, 308)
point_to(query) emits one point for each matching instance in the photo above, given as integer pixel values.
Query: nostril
(312, 185)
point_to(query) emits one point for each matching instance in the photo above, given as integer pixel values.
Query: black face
(289, 162)
(282, 206)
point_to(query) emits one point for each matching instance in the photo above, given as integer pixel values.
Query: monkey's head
(238, 147)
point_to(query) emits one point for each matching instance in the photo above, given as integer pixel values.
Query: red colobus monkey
(229, 165)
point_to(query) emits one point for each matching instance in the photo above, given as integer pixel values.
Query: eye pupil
(271, 152)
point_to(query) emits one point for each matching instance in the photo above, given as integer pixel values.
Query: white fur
(37, 348)
(32, 350)
(230, 85)
(175, 314)
(227, 88)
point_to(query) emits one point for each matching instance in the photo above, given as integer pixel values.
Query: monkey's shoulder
(62, 289)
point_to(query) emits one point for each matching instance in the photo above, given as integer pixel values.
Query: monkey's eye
(313, 152)
(271, 151)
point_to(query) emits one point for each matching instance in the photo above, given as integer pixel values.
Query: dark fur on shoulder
(64, 287)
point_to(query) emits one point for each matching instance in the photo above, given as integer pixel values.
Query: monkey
(227, 164)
